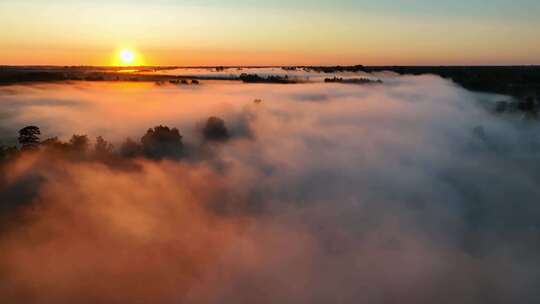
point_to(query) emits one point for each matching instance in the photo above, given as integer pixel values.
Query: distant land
(517, 81)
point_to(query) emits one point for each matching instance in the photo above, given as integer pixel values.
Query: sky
(249, 32)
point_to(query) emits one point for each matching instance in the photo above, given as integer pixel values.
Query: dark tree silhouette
(29, 137)
(215, 130)
(3, 153)
(130, 148)
(102, 147)
(54, 143)
(254, 78)
(79, 143)
(162, 142)
(7, 152)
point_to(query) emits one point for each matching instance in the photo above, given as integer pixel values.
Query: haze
(411, 191)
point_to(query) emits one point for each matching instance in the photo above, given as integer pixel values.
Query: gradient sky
(278, 32)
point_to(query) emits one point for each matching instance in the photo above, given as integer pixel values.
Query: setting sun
(127, 57)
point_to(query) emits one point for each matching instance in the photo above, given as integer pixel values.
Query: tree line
(157, 143)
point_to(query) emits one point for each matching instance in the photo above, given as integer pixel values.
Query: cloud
(408, 192)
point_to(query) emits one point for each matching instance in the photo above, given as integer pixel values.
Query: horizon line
(257, 66)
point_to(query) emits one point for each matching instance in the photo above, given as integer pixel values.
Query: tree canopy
(29, 137)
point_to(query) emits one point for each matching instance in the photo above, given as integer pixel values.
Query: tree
(29, 137)
(7, 152)
(162, 142)
(79, 143)
(130, 148)
(3, 153)
(215, 130)
(102, 147)
(54, 143)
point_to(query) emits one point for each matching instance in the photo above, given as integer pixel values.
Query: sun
(127, 57)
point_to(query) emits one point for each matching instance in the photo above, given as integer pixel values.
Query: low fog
(411, 191)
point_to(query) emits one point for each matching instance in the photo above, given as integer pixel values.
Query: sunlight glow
(127, 57)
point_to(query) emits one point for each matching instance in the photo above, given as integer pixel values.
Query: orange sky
(239, 32)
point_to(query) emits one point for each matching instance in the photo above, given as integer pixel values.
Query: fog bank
(411, 191)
